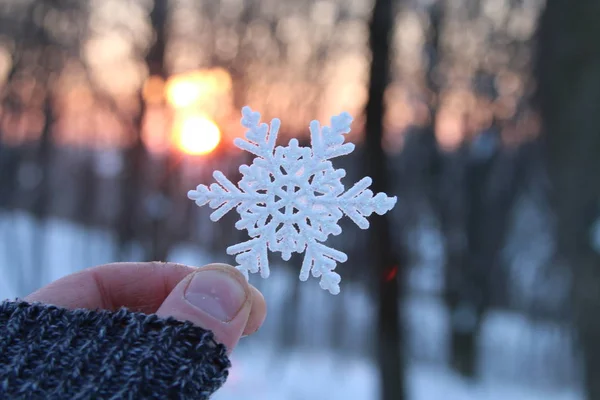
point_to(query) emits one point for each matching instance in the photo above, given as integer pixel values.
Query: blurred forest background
(480, 115)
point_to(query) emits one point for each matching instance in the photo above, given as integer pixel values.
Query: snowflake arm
(260, 138)
(358, 202)
(223, 196)
(322, 260)
(328, 142)
(251, 257)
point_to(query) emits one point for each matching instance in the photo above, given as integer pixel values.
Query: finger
(216, 297)
(258, 312)
(138, 286)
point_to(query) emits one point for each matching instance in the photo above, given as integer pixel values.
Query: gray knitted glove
(48, 352)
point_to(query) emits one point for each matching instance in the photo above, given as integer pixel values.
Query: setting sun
(197, 135)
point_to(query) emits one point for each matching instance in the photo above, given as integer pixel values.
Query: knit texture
(47, 352)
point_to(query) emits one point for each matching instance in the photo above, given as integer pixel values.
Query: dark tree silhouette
(568, 74)
(389, 272)
(133, 223)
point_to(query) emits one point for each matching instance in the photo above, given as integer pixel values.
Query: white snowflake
(291, 198)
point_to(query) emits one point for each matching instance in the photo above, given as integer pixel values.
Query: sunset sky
(296, 61)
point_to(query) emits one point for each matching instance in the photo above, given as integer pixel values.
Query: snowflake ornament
(290, 199)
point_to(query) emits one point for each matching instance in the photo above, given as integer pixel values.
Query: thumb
(217, 298)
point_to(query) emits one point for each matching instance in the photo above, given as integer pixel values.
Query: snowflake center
(286, 199)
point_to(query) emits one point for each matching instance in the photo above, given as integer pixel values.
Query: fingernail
(216, 293)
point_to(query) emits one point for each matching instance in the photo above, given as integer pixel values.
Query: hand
(216, 297)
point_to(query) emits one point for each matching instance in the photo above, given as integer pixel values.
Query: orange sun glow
(197, 135)
(183, 93)
(189, 89)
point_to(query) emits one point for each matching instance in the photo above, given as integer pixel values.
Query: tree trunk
(162, 231)
(131, 222)
(568, 74)
(389, 341)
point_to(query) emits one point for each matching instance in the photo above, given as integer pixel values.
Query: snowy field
(258, 373)
(512, 348)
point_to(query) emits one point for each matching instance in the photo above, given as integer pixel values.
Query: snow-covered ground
(514, 352)
(259, 372)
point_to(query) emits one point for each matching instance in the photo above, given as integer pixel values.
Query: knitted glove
(48, 352)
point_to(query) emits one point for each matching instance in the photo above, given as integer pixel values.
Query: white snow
(261, 372)
(515, 352)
